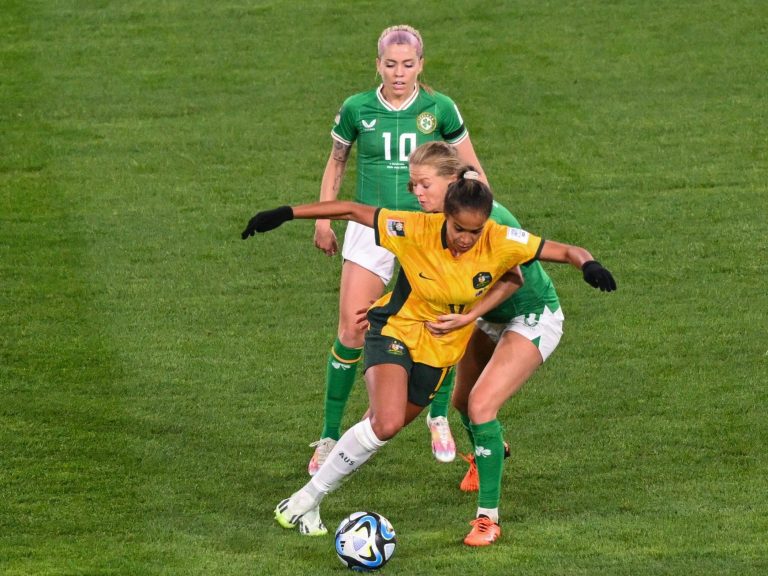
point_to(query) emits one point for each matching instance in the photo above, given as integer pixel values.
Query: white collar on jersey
(403, 106)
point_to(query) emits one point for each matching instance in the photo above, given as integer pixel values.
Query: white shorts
(360, 247)
(543, 330)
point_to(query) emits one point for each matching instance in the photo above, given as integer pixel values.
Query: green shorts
(423, 381)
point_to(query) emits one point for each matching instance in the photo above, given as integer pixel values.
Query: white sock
(352, 450)
(303, 500)
(492, 513)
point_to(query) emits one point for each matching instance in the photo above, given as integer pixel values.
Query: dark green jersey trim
(454, 134)
(536, 256)
(376, 227)
(444, 235)
(379, 316)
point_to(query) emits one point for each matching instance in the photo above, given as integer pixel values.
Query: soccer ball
(365, 541)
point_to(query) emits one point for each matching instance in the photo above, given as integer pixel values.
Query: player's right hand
(597, 276)
(448, 323)
(325, 239)
(267, 220)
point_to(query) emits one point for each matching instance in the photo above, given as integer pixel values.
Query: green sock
(468, 428)
(339, 379)
(442, 399)
(489, 457)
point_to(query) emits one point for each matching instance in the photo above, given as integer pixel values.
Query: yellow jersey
(433, 282)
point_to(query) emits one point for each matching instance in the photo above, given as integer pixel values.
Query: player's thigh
(360, 247)
(367, 269)
(513, 362)
(387, 386)
(359, 287)
(477, 355)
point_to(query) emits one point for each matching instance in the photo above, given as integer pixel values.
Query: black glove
(267, 220)
(597, 276)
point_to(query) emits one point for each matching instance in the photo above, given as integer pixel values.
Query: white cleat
(302, 510)
(311, 525)
(285, 516)
(443, 445)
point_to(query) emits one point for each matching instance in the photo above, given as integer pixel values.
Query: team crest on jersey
(395, 227)
(426, 122)
(396, 348)
(481, 280)
(517, 235)
(368, 125)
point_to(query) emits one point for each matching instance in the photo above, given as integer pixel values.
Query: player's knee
(388, 427)
(352, 335)
(481, 409)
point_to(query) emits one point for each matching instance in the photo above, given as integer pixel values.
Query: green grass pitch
(160, 379)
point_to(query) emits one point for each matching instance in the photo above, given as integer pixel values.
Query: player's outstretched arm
(332, 210)
(594, 273)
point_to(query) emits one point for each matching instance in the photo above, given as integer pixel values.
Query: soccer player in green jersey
(456, 260)
(507, 345)
(387, 123)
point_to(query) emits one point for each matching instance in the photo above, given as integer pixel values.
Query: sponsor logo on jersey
(368, 126)
(395, 227)
(337, 119)
(422, 275)
(426, 122)
(481, 280)
(396, 348)
(517, 235)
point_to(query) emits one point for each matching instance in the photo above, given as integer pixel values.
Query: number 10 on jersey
(406, 143)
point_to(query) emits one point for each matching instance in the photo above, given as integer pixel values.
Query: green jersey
(537, 291)
(386, 136)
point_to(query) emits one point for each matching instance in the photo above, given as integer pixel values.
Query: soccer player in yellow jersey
(454, 262)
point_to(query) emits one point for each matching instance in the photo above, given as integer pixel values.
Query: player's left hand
(448, 323)
(267, 220)
(361, 317)
(598, 277)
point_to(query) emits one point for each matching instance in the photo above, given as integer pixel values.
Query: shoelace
(482, 524)
(323, 444)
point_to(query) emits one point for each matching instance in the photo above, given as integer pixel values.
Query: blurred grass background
(161, 379)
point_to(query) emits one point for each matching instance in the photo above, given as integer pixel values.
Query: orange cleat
(471, 481)
(484, 532)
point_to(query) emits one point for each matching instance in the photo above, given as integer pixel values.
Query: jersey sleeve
(451, 123)
(344, 125)
(520, 246)
(393, 229)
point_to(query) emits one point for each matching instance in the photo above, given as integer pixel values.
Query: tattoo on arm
(340, 152)
(337, 181)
